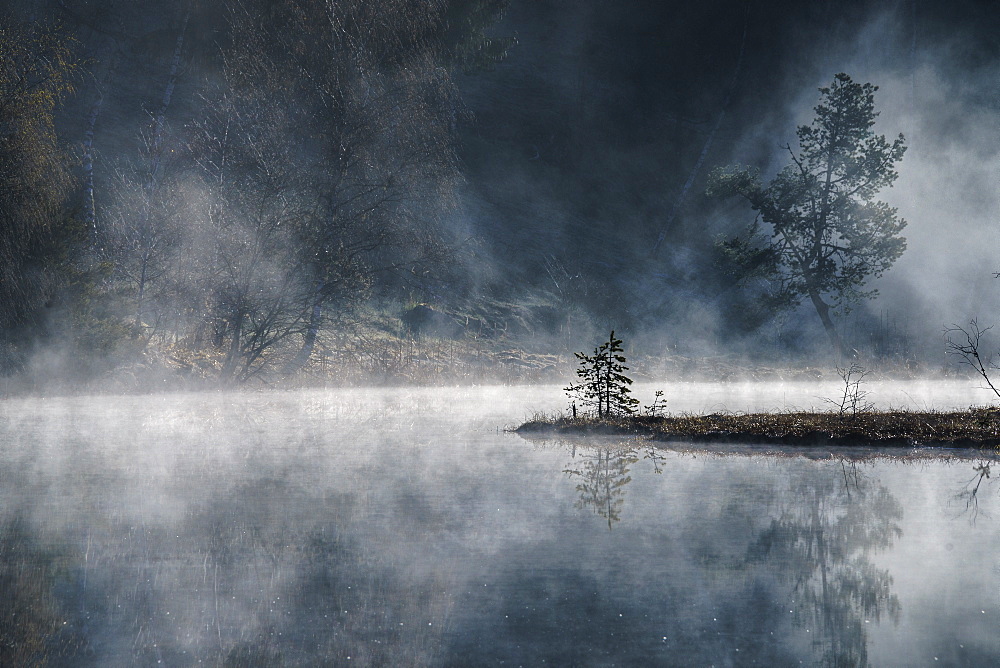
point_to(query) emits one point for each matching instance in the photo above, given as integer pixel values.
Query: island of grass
(977, 427)
(603, 392)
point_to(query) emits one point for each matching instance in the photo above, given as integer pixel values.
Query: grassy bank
(974, 428)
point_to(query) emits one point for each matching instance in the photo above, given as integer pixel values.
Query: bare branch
(966, 345)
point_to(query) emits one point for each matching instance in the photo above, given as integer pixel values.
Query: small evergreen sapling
(658, 407)
(603, 385)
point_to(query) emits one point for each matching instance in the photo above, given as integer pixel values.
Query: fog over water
(404, 527)
(254, 194)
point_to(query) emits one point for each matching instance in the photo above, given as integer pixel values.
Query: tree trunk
(309, 340)
(823, 309)
(89, 210)
(89, 205)
(233, 355)
(147, 234)
(140, 292)
(168, 93)
(606, 392)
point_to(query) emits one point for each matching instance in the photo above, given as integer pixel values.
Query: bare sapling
(659, 406)
(853, 399)
(965, 342)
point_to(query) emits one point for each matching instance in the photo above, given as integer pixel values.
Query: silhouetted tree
(145, 230)
(247, 266)
(970, 351)
(829, 235)
(603, 384)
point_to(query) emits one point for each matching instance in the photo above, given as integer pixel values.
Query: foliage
(329, 157)
(828, 234)
(751, 261)
(314, 167)
(603, 385)
(37, 69)
(316, 172)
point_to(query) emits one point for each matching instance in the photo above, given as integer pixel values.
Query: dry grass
(976, 427)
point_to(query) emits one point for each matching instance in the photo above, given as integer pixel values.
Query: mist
(400, 525)
(279, 280)
(252, 195)
(640, 117)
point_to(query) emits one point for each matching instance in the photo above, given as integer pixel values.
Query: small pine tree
(603, 385)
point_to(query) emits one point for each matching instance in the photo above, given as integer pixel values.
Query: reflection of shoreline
(581, 442)
(262, 573)
(33, 629)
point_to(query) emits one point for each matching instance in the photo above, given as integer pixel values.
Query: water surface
(403, 527)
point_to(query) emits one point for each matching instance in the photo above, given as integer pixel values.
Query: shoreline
(975, 428)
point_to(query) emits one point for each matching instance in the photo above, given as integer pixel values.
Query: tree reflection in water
(260, 574)
(602, 474)
(969, 493)
(821, 526)
(720, 559)
(33, 623)
(820, 542)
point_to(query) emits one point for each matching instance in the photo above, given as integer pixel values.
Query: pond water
(403, 527)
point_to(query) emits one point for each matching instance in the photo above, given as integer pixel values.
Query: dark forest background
(238, 189)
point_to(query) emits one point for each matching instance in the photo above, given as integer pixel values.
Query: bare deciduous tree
(327, 161)
(966, 344)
